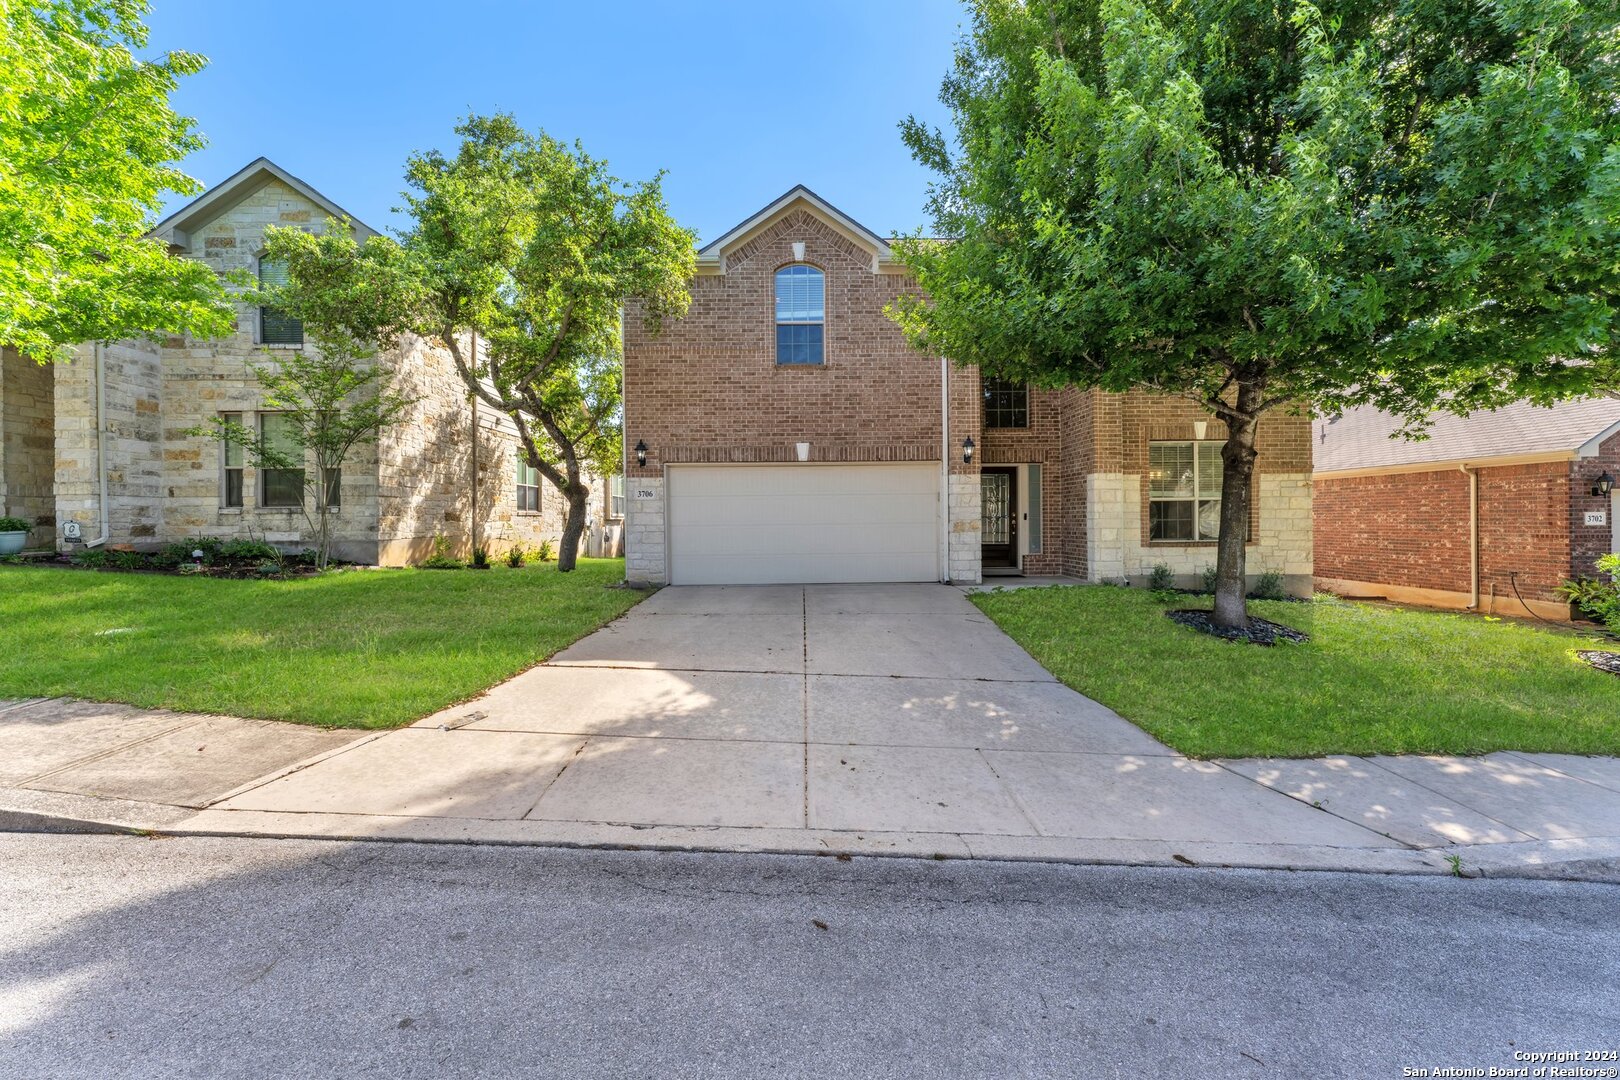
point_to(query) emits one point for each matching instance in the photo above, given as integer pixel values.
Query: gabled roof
(178, 226)
(711, 256)
(1360, 439)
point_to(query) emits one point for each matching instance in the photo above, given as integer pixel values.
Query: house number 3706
(646, 493)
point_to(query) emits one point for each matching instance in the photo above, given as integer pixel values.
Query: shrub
(1161, 579)
(268, 569)
(441, 559)
(15, 524)
(516, 556)
(94, 558)
(1598, 599)
(546, 552)
(249, 551)
(480, 559)
(1269, 587)
(127, 560)
(1209, 579)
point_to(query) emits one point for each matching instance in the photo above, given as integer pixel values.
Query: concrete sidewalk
(873, 720)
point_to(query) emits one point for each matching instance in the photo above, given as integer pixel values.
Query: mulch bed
(1603, 661)
(1258, 632)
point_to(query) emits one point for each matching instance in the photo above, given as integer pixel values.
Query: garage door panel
(805, 523)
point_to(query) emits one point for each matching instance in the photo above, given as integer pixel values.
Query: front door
(998, 494)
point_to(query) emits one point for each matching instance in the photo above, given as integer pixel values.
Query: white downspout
(944, 471)
(1473, 534)
(101, 445)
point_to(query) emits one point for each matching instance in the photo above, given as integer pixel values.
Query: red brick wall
(709, 388)
(1588, 542)
(1411, 529)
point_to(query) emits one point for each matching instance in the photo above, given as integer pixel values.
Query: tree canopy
(88, 145)
(1265, 203)
(533, 245)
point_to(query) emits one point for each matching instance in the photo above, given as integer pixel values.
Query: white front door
(770, 524)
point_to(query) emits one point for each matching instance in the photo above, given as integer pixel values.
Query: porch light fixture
(967, 450)
(1603, 485)
(641, 454)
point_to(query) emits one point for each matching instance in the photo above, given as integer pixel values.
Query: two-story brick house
(104, 443)
(784, 432)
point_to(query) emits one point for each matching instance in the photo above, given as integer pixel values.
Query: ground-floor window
(1184, 491)
(280, 487)
(616, 496)
(528, 486)
(231, 479)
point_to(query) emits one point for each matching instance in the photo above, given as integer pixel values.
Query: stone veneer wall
(165, 484)
(133, 439)
(425, 470)
(27, 444)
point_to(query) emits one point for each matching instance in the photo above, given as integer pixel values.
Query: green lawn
(1373, 679)
(363, 648)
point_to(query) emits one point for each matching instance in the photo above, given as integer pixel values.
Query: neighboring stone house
(102, 442)
(1490, 512)
(791, 435)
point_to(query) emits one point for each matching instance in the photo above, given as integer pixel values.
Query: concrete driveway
(860, 717)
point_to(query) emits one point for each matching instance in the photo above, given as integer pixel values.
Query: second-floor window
(801, 315)
(528, 486)
(1006, 404)
(274, 327)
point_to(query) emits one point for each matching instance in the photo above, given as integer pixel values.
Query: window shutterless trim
(799, 298)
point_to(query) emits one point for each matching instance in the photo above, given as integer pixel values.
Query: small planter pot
(12, 542)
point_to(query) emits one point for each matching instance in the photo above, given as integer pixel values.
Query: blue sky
(737, 101)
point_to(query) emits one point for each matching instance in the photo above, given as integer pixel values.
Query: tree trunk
(573, 526)
(1237, 476)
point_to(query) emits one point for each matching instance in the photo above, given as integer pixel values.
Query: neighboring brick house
(103, 441)
(1488, 510)
(790, 434)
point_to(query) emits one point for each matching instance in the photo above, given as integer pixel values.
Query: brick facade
(1406, 535)
(708, 389)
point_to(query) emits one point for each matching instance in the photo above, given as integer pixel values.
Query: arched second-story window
(274, 327)
(801, 315)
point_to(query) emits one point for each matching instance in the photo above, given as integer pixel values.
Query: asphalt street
(135, 957)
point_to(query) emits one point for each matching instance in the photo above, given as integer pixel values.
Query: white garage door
(764, 524)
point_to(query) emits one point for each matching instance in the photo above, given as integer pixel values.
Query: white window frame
(521, 474)
(226, 446)
(1198, 497)
(616, 496)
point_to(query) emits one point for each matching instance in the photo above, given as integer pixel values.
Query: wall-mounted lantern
(967, 450)
(641, 454)
(1603, 485)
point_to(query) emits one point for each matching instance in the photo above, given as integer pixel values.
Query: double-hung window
(801, 315)
(231, 478)
(616, 496)
(281, 487)
(274, 327)
(528, 486)
(1006, 404)
(1184, 491)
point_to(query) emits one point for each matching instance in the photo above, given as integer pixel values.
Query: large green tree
(1264, 204)
(88, 145)
(533, 246)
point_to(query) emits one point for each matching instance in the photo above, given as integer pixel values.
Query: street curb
(26, 810)
(1591, 859)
